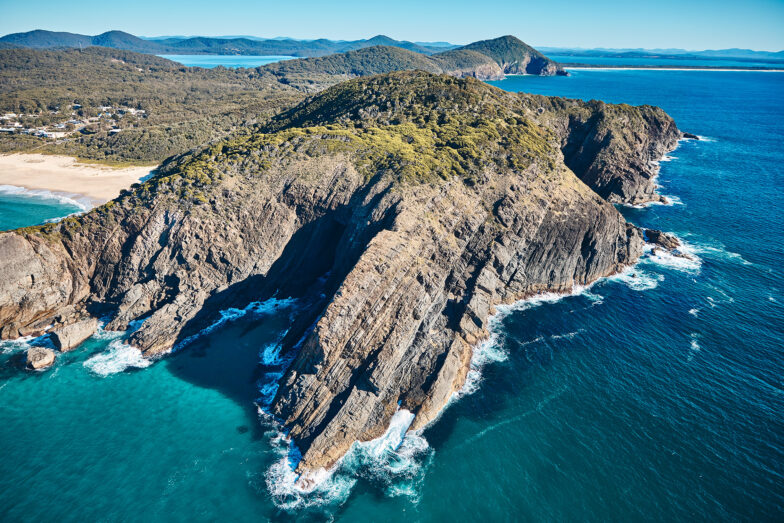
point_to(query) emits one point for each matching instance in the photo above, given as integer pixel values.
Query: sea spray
(393, 462)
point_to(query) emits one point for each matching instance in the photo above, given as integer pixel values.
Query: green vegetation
(417, 127)
(202, 45)
(183, 107)
(118, 106)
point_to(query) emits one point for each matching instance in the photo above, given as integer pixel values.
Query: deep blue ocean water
(643, 61)
(209, 61)
(654, 395)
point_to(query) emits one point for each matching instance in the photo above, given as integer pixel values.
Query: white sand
(63, 174)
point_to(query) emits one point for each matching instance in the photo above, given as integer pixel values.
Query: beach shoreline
(94, 183)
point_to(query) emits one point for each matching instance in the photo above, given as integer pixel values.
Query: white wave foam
(72, 199)
(694, 312)
(118, 357)
(671, 200)
(17, 345)
(688, 262)
(392, 461)
(637, 279)
(706, 139)
(256, 308)
(719, 251)
(567, 336)
(488, 351)
(694, 346)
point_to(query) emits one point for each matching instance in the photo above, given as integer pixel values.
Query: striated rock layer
(417, 202)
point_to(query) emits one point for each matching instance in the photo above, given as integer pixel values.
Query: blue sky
(690, 24)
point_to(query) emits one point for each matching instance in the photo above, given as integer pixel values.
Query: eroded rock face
(419, 202)
(68, 337)
(39, 358)
(614, 149)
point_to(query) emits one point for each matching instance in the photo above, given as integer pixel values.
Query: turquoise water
(21, 207)
(653, 397)
(643, 61)
(214, 60)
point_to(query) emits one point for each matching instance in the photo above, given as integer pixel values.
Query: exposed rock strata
(424, 200)
(613, 148)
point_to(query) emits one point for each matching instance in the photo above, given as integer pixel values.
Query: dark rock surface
(662, 239)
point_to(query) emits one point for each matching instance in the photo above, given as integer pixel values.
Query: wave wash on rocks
(415, 202)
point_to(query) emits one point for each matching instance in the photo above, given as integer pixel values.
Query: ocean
(657, 394)
(657, 62)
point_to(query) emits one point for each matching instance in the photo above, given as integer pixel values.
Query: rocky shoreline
(417, 203)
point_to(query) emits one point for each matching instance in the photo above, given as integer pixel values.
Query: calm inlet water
(209, 61)
(657, 396)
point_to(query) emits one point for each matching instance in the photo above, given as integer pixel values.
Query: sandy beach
(64, 174)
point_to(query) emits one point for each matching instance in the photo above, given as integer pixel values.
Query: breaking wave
(394, 462)
(118, 357)
(72, 199)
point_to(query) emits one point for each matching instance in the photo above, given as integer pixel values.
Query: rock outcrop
(68, 337)
(662, 239)
(416, 202)
(39, 358)
(613, 148)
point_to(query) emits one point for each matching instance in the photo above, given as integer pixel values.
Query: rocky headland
(416, 202)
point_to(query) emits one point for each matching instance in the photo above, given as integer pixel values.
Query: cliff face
(418, 202)
(613, 148)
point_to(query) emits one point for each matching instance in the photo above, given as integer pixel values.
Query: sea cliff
(413, 202)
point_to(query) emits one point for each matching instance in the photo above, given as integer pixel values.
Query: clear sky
(689, 24)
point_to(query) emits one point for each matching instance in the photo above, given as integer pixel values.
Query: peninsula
(412, 202)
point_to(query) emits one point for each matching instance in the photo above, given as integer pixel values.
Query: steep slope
(414, 202)
(516, 57)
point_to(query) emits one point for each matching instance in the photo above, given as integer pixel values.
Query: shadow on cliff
(310, 268)
(227, 359)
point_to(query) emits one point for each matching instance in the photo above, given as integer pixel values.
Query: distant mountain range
(243, 45)
(736, 54)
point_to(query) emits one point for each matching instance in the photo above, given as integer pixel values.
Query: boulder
(39, 358)
(70, 336)
(662, 239)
